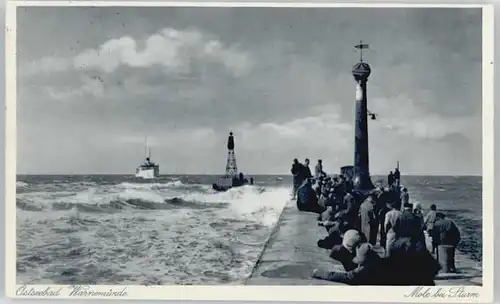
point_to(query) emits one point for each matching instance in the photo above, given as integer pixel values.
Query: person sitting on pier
(429, 221)
(447, 237)
(335, 231)
(298, 177)
(370, 269)
(323, 193)
(327, 215)
(349, 210)
(346, 252)
(307, 199)
(368, 219)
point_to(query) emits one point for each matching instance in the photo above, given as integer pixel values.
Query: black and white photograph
(249, 145)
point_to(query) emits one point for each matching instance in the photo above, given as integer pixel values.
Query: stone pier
(291, 254)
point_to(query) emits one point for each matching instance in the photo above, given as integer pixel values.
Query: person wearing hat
(368, 219)
(391, 218)
(335, 231)
(369, 270)
(429, 221)
(417, 210)
(351, 209)
(405, 197)
(409, 226)
(346, 252)
(381, 209)
(298, 177)
(447, 238)
(307, 199)
(318, 170)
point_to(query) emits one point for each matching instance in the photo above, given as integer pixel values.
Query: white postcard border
(250, 293)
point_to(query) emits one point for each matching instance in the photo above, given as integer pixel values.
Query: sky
(94, 82)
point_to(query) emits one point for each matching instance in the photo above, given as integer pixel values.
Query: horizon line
(221, 174)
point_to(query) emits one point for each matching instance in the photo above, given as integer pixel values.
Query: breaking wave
(142, 233)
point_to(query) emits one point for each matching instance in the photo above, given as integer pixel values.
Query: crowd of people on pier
(378, 236)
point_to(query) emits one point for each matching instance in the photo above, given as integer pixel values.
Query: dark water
(176, 230)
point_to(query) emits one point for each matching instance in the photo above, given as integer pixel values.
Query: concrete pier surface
(291, 254)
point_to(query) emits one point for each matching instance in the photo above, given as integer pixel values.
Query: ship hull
(226, 183)
(148, 173)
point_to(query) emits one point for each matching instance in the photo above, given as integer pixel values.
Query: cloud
(406, 117)
(175, 51)
(316, 132)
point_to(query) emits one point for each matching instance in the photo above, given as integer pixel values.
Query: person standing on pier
(447, 238)
(318, 170)
(298, 178)
(390, 179)
(305, 167)
(405, 197)
(368, 220)
(429, 221)
(397, 177)
(391, 218)
(417, 210)
(382, 209)
(409, 226)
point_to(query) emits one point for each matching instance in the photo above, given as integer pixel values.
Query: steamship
(148, 169)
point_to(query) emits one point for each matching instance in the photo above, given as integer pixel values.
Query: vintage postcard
(249, 151)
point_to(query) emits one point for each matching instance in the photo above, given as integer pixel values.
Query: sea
(117, 229)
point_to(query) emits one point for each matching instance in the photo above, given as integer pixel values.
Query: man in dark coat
(370, 269)
(397, 177)
(409, 264)
(447, 237)
(298, 176)
(409, 226)
(390, 179)
(306, 170)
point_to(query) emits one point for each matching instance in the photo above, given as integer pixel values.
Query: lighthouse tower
(231, 168)
(361, 176)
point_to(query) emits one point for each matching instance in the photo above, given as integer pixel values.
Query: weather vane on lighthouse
(361, 46)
